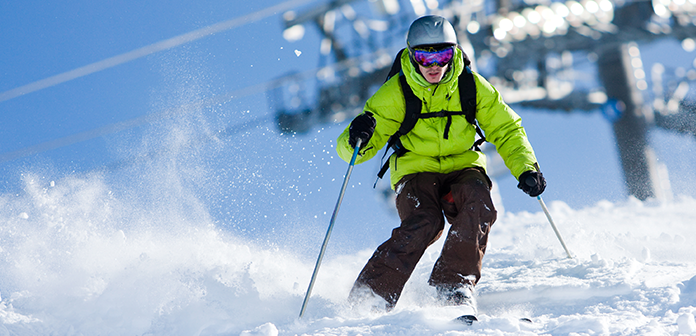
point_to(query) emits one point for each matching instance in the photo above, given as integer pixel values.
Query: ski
(466, 319)
(469, 319)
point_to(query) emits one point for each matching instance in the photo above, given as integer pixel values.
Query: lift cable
(150, 49)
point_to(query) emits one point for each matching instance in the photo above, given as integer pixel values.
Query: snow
(80, 259)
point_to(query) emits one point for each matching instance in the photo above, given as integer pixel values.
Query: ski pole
(548, 216)
(331, 224)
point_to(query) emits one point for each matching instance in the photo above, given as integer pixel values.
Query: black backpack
(467, 97)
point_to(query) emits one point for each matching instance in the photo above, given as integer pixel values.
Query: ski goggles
(428, 57)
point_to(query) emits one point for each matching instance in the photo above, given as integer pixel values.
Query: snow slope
(76, 259)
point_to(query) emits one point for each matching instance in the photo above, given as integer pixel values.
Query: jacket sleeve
(503, 128)
(388, 108)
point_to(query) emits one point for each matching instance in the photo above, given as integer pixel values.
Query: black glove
(532, 182)
(361, 128)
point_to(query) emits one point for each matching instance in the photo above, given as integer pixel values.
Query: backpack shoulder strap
(467, 99)
(413, 104)
(467, 94)
(413, 107)
(396, 66)
(411, 115)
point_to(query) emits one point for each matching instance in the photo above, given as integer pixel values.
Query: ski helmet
(430, 30)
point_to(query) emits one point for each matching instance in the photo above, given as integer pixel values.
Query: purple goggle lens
(428, 58)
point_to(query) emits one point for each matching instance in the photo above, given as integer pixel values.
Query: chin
(434, 80)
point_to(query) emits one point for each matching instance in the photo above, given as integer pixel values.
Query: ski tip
(466, 319)
(469, 319)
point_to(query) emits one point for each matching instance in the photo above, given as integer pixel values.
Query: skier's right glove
(361, 128)
(532, 182)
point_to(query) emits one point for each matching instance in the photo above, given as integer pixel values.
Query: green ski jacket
(428, 148)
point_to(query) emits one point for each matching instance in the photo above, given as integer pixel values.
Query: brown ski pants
(464, 198)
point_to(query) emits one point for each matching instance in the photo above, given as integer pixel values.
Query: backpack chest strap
(442, 114)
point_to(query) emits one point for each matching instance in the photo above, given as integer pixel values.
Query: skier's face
(433, 74)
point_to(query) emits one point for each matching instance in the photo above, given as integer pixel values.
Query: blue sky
(41, 39)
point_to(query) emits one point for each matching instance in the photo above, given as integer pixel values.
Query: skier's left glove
(361, 128)
(532, 183)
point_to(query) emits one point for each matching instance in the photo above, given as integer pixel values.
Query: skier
(438, 171)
